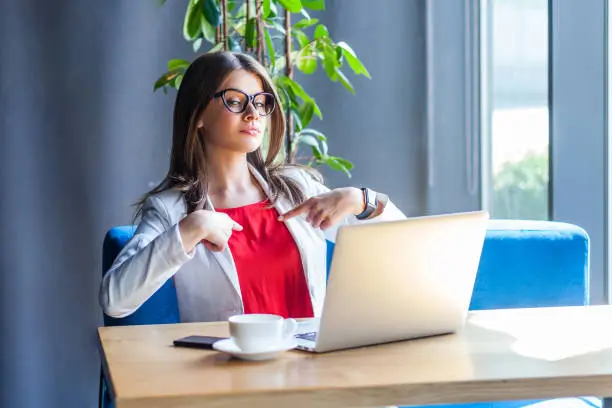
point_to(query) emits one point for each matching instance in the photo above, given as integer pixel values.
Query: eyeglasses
(237, 101)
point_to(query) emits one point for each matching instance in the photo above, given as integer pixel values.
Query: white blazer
(207, 282)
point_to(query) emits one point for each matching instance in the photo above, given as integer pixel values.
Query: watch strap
(369, 198)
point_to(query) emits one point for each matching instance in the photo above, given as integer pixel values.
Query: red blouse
(268, 263)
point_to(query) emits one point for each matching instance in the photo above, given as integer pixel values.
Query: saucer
(228, 346)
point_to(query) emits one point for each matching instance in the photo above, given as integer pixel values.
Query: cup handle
(289, 329)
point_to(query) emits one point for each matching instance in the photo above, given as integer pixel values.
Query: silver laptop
(398, 280)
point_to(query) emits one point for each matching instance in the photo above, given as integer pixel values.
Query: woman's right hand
(211, 228)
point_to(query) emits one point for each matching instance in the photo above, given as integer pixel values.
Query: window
(514, 57)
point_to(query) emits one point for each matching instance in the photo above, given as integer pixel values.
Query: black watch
(371, 204)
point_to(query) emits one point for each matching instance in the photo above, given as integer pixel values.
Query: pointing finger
(300, 209)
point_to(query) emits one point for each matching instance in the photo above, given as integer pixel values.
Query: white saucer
(228, 346)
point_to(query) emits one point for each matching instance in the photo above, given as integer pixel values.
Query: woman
(262, 224)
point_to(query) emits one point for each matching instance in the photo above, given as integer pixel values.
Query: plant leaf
(174, 64)
(314, 138)
(329, 57)
(160, 83)
(324, 147)
(273, 12)
(250, 33)
(317, 111)
(176, 81)
(293, 6)
(304, 23)
(295, 88)
(216, 47)
(305, 112)
(301, 38)
(333, 163)
(339, 55)
(329, 63)
(344, 81)
(208, 31)
(352, 59)
(308, 140)
(270, 47)
(297, 120)
(278, 27)
(211, 12)
(234, 45)
(284, 93)
(167, 78)
(191, 24)
(314, 4)
(316, 133)
(266, 8)
(346, 163)
(320, 32)
(197, 43)
(307, 60)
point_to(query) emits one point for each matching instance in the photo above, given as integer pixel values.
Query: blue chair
(161, 308)
(523, 264)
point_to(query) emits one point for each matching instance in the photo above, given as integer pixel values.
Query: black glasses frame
(251, 100)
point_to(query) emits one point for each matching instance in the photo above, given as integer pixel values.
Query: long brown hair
(187, 172)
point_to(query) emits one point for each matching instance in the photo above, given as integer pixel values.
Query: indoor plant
(266, 30)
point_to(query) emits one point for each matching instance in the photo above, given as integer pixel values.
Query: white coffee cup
(260, 332)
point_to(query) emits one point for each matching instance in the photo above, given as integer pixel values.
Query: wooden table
(500, 355)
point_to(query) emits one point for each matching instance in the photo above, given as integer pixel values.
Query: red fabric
(268, 263)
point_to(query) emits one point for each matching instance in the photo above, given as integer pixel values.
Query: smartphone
(201, 342)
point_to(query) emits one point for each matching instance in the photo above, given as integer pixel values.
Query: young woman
(238, 232)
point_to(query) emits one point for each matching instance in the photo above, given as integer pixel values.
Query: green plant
(264, 29)
(520, 189)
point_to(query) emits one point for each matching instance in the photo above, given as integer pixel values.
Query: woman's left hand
(327, 209)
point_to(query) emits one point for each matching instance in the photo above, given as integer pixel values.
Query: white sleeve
(148, 260)
(390, 212)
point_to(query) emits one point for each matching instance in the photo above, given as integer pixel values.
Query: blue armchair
(523, 264)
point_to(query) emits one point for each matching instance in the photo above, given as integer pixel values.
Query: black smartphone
(201, 342)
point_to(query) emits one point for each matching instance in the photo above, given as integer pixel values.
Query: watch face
(371, 196)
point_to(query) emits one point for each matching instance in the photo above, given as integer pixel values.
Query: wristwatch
(371, 204)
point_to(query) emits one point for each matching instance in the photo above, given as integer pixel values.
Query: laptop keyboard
(312, 336)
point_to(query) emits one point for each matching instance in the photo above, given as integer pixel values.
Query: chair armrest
(161, 308)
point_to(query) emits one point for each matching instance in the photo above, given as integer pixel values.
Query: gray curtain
(83, 135)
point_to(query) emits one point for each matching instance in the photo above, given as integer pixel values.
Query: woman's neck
(230, 183)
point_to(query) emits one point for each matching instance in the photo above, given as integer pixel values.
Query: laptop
(398, 280)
